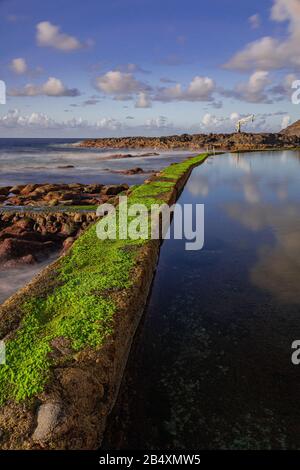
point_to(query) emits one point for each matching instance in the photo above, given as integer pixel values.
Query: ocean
(25, 161)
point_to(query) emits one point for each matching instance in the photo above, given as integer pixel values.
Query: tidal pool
(211, 363)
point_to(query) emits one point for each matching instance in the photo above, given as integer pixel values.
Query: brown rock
(5, 190)
(16, 263)
(133, 171)
(17, 189)
(68, 243)
(13, 248)
(28, 189)
(68, 229)
(113, 190)
(93, 188)
(25, 223)
(53, 202)
(47, 420)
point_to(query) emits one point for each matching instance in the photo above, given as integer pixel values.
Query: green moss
(77, 208)
(80, 307)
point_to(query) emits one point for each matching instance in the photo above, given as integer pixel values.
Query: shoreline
(221, 142)
(74, 385)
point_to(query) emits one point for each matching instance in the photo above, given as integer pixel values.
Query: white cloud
(263, 122)
(158, 123)
(119, 84)
(52, 87)
(284, 88)
(19, 66)
(199, 89)
(254, 21)
(234, 116)
(255, 90)
(14, 119)
(143, 101)
(49, 35)
(209, 120)
(269, 52)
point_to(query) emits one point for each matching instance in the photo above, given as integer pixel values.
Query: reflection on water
(278, 265)
(211, 367)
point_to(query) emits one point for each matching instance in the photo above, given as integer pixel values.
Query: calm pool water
(211, 365)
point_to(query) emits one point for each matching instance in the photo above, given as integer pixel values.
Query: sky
(97, 68)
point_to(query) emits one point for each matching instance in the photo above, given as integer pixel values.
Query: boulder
(47, 420)
(17, 189)
(13, 248)
(5, 190)
(113, 190)
(29, 188)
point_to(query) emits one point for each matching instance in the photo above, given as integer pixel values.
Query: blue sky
(124, 67)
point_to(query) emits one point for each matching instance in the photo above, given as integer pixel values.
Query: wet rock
(28, 189)
(68, 243)
(67, 196)
(68, 229)
(75, 186)
(113, 190)
(17, 189)
(133, 171)
(92, 202)
(13, 248)
(148, 154)
(93, 188)
(65, 167)
(25, 223)
(78, 218)
(61, 194)
(53, 202)
(16, 263)
(52, 195)
(15, 201)
(47, 419)
(5, 190)
(6, 217)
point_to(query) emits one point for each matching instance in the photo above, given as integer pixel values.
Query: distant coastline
(235, 141)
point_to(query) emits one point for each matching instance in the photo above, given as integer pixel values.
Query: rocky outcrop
(27, 237)
(242, 141)
(58, 194)
(292, 130)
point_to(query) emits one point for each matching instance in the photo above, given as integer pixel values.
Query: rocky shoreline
(77, 374)
(50, 195)
(37, 220)
(232, 142)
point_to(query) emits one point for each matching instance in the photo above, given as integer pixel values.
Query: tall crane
(243, 121)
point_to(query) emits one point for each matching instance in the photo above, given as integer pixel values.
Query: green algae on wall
(80, 306)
